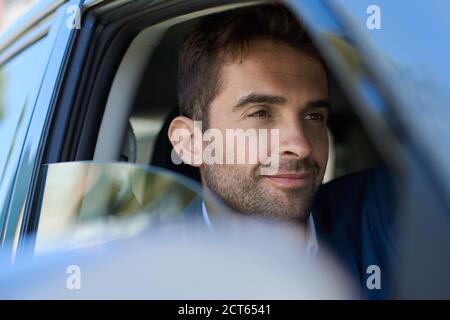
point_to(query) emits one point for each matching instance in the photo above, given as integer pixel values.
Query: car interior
(143, 101)
(115, 96)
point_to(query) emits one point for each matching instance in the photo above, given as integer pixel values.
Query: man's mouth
(290, 180)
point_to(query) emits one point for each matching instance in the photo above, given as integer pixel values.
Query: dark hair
(223, 36)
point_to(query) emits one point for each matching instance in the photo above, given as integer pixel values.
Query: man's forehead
(276, 62)
(243, 80)
(266, 50)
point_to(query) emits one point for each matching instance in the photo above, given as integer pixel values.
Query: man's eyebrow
(324, 103)
(255, 98)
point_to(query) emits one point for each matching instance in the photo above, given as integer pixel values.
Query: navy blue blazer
(355, 218)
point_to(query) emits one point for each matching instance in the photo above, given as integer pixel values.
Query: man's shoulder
(355, 215)
(376, 178)
(350, 198)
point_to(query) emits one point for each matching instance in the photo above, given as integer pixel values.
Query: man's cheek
(319, 143)
(269, 151)
(213, 147)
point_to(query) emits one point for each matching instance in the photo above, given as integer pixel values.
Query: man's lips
(290, 180)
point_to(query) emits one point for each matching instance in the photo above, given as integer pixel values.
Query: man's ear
(183, 135)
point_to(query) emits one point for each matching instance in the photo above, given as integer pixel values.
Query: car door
(33, 53)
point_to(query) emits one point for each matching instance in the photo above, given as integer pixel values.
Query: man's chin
(297, 218)
(288, 203)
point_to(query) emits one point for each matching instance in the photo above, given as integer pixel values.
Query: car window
(416, 66)
(80, 204)
(19, 78)
(86, 203)
(11, 10)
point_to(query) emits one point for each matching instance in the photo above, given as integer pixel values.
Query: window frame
(21, 178)
(67, 134)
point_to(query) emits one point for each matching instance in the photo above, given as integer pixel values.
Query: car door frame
(21, 180)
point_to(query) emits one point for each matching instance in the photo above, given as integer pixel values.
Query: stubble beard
(247, 192)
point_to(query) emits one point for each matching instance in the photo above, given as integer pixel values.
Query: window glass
(85, 203)
(19, 77)
(11, 10)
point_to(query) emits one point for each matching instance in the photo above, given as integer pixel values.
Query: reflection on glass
(84, 203)
(2, 103)
(18, 78)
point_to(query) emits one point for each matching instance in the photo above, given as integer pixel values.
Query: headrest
(128, 153)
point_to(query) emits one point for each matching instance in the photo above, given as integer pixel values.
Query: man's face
(274, 87)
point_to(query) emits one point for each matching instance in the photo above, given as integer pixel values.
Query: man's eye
(315, 116)
(259, 114)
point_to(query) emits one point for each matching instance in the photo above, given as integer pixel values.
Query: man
(255, 68)
(258, 76)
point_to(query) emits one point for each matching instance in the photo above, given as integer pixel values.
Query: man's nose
(294, 141)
